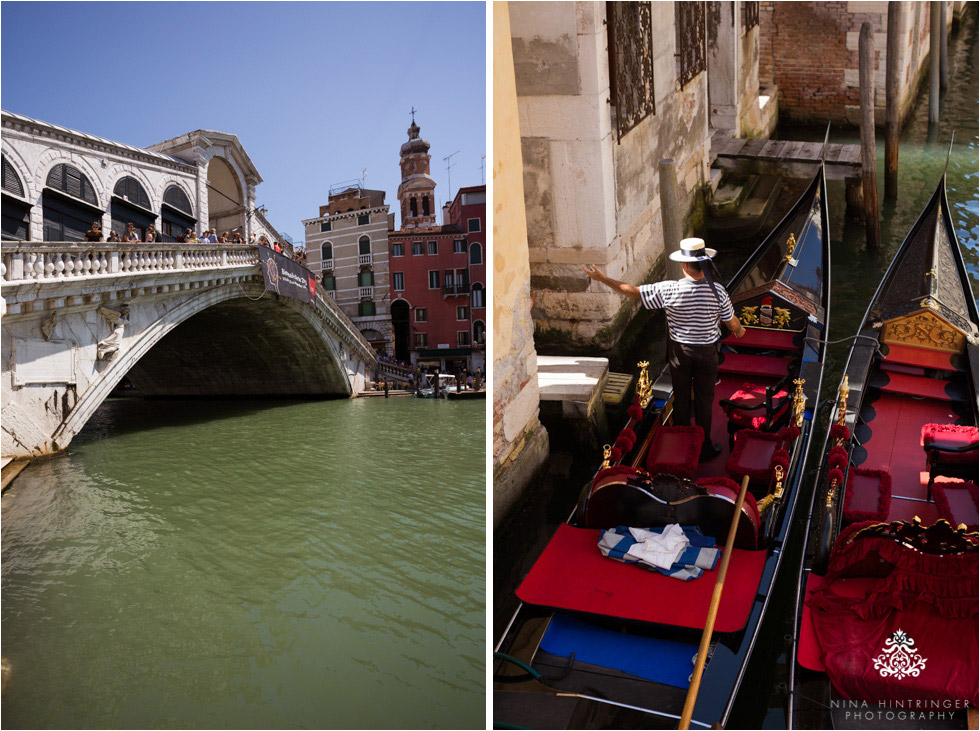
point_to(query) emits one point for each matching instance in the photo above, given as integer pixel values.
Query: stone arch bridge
(179, 320)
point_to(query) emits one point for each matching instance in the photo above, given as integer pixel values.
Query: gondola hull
(600, 644)
(912, 366)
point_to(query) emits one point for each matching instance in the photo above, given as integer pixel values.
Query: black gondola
(886, 608)
(596, 643)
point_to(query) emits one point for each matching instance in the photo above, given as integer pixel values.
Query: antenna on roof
(949, 151)
(483, 169)
(823, 152)
(363, 176)
(448, 166)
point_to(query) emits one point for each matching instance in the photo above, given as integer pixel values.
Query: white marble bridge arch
(155, 315)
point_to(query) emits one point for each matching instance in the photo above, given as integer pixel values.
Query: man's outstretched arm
(627, 290)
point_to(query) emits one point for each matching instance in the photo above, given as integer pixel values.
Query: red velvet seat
(922, 357)
(675, 449)
(956, 501)
(755, 455)
(868, 495)
(754, 365)
(755, 337)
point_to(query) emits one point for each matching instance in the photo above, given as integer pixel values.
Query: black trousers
(693, 367)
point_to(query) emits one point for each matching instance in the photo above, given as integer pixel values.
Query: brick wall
(810, 49)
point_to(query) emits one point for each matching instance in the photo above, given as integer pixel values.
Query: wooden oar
(692, 691)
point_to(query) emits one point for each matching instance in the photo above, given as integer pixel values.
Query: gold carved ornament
(924, 329)
(606, 454)
(777, 493)
(843, 393)
(790, 246)
(799, 402)
(644, 388)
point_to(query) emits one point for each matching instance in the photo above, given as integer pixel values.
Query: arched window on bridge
(479, 332)
(16, 211)
(130, 204)
(476, 253)
(176, 214)
(69, 204)
(326, 256)
(477, 297)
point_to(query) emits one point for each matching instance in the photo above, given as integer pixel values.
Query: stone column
(724, 62)
(249, 206)
(201, 189)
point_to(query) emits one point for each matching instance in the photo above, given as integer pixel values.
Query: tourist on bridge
(151, 234)
(112, 238)
(94, 233)
(694, 306)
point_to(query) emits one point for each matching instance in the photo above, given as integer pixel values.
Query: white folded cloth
(659, 549)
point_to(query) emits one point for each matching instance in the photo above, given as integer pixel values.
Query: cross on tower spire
(413, 113)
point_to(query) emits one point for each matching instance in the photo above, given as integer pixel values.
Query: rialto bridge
(178, 320)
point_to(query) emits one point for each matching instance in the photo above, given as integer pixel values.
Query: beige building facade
(347, 247)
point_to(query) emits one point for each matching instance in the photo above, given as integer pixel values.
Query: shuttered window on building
(69, 204)
(630, 30)
(131, 204)
(176, 214)
(690, 19)
(16, 213)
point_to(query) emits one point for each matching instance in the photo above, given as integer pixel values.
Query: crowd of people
(133, 235)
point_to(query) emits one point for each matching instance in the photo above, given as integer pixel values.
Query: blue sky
(315, 91)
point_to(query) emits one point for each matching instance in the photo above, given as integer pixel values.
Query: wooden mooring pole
(934, 42)
(892, 91)
(868, 156)
(669, 208)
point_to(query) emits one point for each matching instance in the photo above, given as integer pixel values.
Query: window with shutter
(130, 190)
(177, 198)
(69, 179)
(11, 181)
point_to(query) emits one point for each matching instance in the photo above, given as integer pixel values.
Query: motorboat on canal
(886, 609)
(428, 387)
(596, 643)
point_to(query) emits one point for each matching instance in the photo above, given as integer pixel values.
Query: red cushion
(752, 455)
(956, 501)
(754, 365)
(808, 652)
(763, 338)
(868, 495)
(675, 450)
(950, 435)
(572, 574)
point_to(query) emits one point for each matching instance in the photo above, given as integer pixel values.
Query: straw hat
(693, 250)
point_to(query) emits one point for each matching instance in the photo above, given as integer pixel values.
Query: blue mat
(662, 661)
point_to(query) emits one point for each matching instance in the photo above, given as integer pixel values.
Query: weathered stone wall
(589, 197)
(520, 443)
(810, 50)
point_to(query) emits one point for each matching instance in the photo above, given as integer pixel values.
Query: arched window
(130, 204)
(365, 278)
(15, 212)
(413, 207)
(326, 252)
(425, 205)
(479, 332)
(364, 245)
(69, 204)
(477, 296)
(476, 253)
(176, 214)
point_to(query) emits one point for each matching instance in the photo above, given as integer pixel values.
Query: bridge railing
(35, 262)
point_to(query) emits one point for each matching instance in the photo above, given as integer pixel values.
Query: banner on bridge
(284, 276)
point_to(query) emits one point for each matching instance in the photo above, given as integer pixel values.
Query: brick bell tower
(417, 190)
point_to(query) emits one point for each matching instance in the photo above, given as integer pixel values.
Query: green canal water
(220, 564)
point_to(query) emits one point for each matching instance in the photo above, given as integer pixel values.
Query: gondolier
(693, 312)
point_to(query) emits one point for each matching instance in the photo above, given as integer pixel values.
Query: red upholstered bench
(917, 386)
(754, 365)
(675, 449)
(868, 495)
(571, 574)
(921, 357)
(761, 338)
(753, 455)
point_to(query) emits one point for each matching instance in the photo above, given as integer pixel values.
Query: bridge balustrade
(29, 261)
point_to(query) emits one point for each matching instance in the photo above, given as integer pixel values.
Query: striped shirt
(692, 311)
